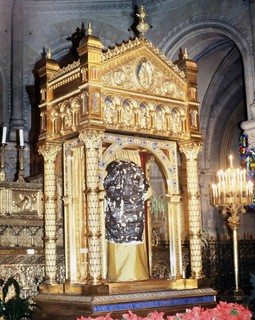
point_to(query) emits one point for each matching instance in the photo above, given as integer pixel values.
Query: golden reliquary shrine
(119, 136)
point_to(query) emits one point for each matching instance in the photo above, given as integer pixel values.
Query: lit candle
(226, 176)
(4, 135)
(250, 187)
(231, 161)
(244, 174)
(234, 176)
(219, 176)
(21, 138)
(224, 190)
(233, 185)
(219, 188)
(213, 190)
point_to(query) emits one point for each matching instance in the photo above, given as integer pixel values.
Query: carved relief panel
(20, 202)
(144, 116)
(142, 75)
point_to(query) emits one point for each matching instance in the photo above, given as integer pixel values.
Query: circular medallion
(119, 77)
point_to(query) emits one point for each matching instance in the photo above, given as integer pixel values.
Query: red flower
(223, 311)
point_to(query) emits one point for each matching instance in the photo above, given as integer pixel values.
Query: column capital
(49, 150)
(191, 149)
(92, 138)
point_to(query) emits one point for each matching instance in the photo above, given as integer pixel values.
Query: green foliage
(16, 307)
(205, 236)
(158, 205)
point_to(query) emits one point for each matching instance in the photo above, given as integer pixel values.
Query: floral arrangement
(223, 311)
(12, 305)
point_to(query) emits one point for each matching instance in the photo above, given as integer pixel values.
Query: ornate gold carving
(65, 116)
(140, 116)
(233, 222)
(21, 200)
(84, 75)
(193, 118)
(131, 88)
(131, 45)
(89, 31)
(93, 146)
(63, 71)
(25, 203)
(191, 150)
(43, 94)
(49, 152)
(66, 79)
(142, 26)
(119, 77)
(42, 120)
(144, 73)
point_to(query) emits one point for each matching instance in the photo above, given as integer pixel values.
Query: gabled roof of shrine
(139, 66)
(132, 44)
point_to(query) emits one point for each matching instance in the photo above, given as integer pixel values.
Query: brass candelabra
(3, 145)
(232, 194)
(21, 164)
(21, 156)
(2, 172)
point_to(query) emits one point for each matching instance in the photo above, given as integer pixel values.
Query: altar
(120, 127)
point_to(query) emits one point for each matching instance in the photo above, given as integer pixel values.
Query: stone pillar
(249, 129)
(49, 151)
(17, 120)
(93, 142)
(191, 150)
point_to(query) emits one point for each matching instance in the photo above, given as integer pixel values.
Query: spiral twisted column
(191, 150)
(93, 148)
(49, 152)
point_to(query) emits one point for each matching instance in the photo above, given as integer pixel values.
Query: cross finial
(142, 26)
(89, 31)
(49, 53)
(186, 55)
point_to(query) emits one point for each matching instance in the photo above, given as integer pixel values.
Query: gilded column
(191, 150)
(175, 205)
(93, 142)
(49, 151)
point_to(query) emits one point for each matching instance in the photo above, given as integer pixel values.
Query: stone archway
(226, 82)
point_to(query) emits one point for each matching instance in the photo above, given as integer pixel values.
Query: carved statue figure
(143, 117)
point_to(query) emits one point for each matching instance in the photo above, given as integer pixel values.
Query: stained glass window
(247, 156)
